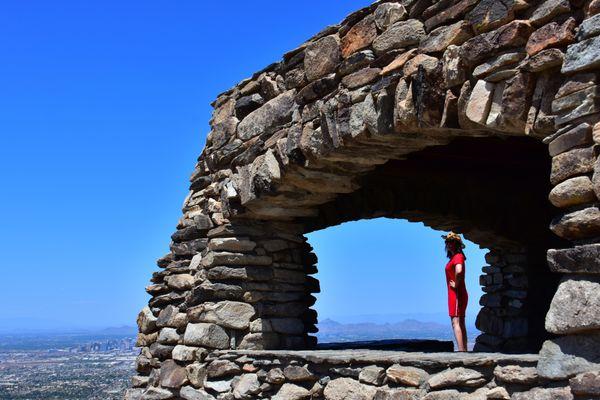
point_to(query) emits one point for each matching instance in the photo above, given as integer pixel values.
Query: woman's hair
(456, 248)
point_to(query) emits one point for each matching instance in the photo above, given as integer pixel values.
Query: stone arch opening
(382, 286)
(475, 186)
(261, 262)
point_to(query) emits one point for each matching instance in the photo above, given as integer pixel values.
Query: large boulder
(189, 393)
(578, 136)
(579, 224)
(575, 306)
(172, 375)
(322, 57)
(219, 368)
(400, 35)
(146, 321)
(348, 389)
(480, 47)
(168, 336)
(579, 259)
(400, 393)
(573, 191)
(246, 387)
(456, 377)
(229, 314)
(447, 394)
(259, 341)
(184, 353)
(171, 317)
(297, 373)
(154, 393)
(568, 356)
(549, 9)
(489, 14)
(180, 281)
(289, 391)
(205, 334)
(361, 35)
(388, 13)
(269, 117)
(372, 375)
(570, 163)
(196, 373)
(405, 375)
(560, 393)
(552, 34)
(582, 56)
(480, 102)
(587, 383)
(516, 374)
(440, 38)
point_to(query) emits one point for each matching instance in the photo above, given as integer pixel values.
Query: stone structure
(385, 114)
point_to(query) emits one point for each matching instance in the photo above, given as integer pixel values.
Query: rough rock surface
(399, 35)
(575, 306)
(456, 377)
(568, 356)
(574, 191)
(545, 394)
(347, 388)
(579, 259)
(289, 391)
(209, 335)
(409, 376)
(587, 383)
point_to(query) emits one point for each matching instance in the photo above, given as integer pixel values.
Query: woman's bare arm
(458, 275)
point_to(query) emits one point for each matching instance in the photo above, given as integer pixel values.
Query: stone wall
(357, 374)
(290, 146)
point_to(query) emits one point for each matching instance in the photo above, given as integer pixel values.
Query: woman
(457, 290)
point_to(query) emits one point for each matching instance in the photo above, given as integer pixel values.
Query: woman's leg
(463, 329)
(457, 332)
(460, 332)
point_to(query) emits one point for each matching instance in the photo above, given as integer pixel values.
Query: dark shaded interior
(492, 190)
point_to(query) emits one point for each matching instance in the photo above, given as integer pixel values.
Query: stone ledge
(430, 360)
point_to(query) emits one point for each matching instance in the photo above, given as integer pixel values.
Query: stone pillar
(239, 284)
(503, 318)
(253, 284)
(574, 313)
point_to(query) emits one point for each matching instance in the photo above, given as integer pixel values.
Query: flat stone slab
(417, 359)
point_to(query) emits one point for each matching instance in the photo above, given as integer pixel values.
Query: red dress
(457, 297)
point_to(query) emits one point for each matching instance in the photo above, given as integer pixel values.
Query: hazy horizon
(33, 326)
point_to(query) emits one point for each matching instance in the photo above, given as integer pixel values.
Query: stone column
(574, 313)
(254, 285)
(504, 317)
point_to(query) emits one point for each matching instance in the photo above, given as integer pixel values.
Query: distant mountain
(439, 317)
(333, 331)
(49, 327)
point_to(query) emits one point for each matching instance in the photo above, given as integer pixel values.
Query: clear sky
(104, 107)
(387, 270)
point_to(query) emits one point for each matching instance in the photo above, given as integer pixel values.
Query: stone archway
(475, 185)
(352, 124)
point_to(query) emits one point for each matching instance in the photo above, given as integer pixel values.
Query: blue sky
(104, 108)
(386, 270)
